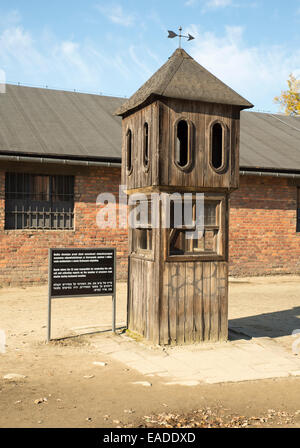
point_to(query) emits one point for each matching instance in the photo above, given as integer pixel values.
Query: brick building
(60, 150)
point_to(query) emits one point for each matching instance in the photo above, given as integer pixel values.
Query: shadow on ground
(271, 325)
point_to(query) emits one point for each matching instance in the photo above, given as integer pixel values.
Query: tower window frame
(141, 240)
(214, 236)
(189, 137)
(146, 147)
(129, 147)
(223, 167)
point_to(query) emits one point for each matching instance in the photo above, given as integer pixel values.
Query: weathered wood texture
(162, 116)
(143, 315)
(180, 299)
(140, 175)
(195, 300)
(191, 308)
(201, 173)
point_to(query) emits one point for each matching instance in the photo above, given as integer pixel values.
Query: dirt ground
(61, 387)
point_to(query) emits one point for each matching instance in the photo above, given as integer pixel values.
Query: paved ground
(213, 363)
(263, 313)
(259, 346)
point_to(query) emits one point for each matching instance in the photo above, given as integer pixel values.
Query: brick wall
(24, 253)
(263, 237)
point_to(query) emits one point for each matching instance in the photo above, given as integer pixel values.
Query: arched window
(182, 143)
(217, 146)
(146, 145)
(129, 150)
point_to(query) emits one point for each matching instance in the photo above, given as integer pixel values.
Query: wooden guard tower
(181, 134)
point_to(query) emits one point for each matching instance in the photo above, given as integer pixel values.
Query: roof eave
(123, 112)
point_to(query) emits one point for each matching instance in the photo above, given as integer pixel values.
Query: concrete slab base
(211, 363)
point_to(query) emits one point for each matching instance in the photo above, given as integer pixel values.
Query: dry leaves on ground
(208, 418)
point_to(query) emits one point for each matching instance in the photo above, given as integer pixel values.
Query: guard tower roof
(183, 78)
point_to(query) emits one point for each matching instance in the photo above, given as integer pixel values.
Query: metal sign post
(81, 273)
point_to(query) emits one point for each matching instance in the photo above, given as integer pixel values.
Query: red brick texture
(263, 238)
(24, 253)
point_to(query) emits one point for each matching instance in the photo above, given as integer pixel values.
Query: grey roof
(182, 77)
(68, 124)
(54, 122)
(270, 141)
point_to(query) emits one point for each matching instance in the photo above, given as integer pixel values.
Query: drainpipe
(270, 174)
(12, 158)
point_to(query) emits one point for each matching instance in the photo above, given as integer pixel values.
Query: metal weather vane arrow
(171, 35)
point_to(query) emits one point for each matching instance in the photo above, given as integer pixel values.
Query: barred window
(298, 210)
(34, 201)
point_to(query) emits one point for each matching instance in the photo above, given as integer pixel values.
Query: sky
(113, 47)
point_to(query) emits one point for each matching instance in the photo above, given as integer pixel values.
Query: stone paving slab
(203, 363)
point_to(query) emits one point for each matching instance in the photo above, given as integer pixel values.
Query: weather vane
(172, 35)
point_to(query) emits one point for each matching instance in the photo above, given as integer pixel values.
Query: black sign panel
(81, 272)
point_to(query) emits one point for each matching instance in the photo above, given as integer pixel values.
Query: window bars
(35, 201)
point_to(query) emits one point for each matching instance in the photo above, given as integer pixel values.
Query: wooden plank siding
(161, 117)
(181, 298)
(195, 299)
(141, 299)
(140, 176)
(193, 304)
(201, 115)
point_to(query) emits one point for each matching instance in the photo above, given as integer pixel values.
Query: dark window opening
(142, 234)
(143, 239)
(39, 201)
(217, 146)
(210, 217)
(182, 152)
(146, 145)
(129, 149)
(298, 210)
(202, 243)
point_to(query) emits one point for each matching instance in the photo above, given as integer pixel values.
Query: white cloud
(46, 60)
(17, 46)
(258, 73)
(2, 83)
(10, 18)
(71, 54)
(143, 67)
(117, 15)
(212, 5)
(190, 2)
(218, 3)
(37, 62)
